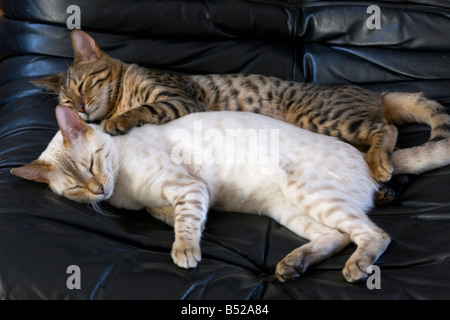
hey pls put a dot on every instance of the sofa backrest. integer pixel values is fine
(389, 46)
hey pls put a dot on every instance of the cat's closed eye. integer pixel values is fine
(72, 191)
(91, 166)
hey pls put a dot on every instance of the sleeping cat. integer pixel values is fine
(317, 186)
(124, 95)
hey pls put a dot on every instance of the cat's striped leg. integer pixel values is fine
(371, 241)
(324, 242)
(343, 212)
(165, 214)
(190, 200)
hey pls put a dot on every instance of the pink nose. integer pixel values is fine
(100, 190)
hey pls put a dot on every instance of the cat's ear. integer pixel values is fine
(37, 170)
(51, 83)
(71, 125)
(84, 47)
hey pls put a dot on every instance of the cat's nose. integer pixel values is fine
(80, 107)
(100, 190)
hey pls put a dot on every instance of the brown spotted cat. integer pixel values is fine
(123, 96)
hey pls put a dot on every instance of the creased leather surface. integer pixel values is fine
(128, 255)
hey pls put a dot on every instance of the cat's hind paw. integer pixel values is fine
(355, 271)
(286, 272)
(186, 256)
(292, 266)
(384, 195)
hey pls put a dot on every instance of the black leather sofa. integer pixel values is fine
(127, 256)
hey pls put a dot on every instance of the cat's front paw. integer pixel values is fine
(185, 255)
(119, 125)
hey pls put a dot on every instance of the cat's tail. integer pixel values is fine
(417, 160)
(401, 107)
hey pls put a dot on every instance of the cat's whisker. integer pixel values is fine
(114, 170)
(49, 93)
(98, 209)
